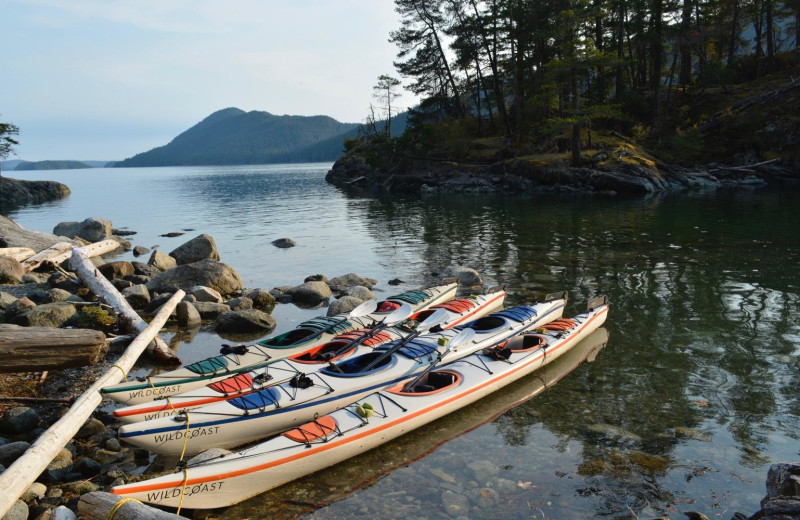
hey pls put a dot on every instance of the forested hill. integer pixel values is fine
(52, 165)
(233, 136)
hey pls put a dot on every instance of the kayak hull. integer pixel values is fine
(235, 477)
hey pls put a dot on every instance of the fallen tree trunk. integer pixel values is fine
(46, 254)
(17, 253)
(34, 349)
(92, 250)
(22, 473)
(97, 505)
(129, 320)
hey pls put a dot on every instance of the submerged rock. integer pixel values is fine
(210, 273)
(310, 293)
(246, 320)
(93, 229)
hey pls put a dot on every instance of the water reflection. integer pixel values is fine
(409, 453)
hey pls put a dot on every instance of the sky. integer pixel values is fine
(107, 79)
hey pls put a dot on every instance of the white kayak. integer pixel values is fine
(365, 423)
(395, 326)
(235, 360)
(279, 407)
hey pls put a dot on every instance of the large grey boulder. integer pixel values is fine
(92, 229)
(261, 298)
(46, 315)
(12, 451)
(15, 235)
(187, 314)
(10, 270)
(210, 310)
(206, 294)
(201, 247)
(467, 276)
(137, 296)
(6, 300)
(344, 304)
(360, 292)
(310, 293)
(245, 320)
(221, 277)
(19, 419)
(162, 261)
(351, 280)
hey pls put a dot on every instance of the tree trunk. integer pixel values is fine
(21, 474)
(45, 255)
(733, 44)
(129, 319)
(26, 349)
(685, 44)
(770, 36)
(97, 505)
(620, 83)
(19, 254)
(656, 61)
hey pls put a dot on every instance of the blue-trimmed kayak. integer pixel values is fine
(365, 423)
(257, 415)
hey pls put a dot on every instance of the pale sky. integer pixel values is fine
(107, 79)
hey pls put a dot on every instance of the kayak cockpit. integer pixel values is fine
(360, 365)
(430, 383)
(324, 353)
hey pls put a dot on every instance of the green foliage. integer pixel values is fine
(688, 145)
(352, 142)
(7, 130)
(92, 317)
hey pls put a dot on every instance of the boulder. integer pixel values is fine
(19, 420)
(19, 306)
(62, 281)
(212, 274)
(310, 293)
(137, 296)
(246, 320)
(15, 235)
(201, 247)
(344, 304)
(140, 250)
(241, 303)
(360, 292)
(467, 277)
(210, 310)
(119, 269)
(6, 300)
(206, 294)
(351, 280)
(46, 315)
(316, 278)
(12, 451)
(187, 314)
(145, 269)
(18, 511)
(162, 261)
(284, 243)
(93, 229)
(261, 298)
(56, 295)
(10, 270)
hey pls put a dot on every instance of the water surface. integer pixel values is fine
(694, 396)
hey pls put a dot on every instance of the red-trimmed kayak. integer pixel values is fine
(363, 424)
(458, 312)
(257, 415)
(235, 361)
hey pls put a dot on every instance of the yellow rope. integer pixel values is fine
(183, 489)
(118, 505)
(124, 374)
(185, 437)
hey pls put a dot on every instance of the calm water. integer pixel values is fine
(684, 409)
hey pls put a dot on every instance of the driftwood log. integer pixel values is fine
(34, 349)
(24, 471)
(129, 320)
(17, 253)
(44, 255)
(97, 505)
(92, 250)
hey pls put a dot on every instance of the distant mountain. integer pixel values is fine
(51, 165)
(233, 136)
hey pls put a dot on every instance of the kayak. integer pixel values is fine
(361, 341)
(235, 360)
(365, 423)
(282, 406)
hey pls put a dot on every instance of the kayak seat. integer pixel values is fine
(233, 385)
(432, 382)
(377, 338)
(561, 324)
(488, 323)
(256, 400)
(318, 428)
(525, 342)
(387, 306)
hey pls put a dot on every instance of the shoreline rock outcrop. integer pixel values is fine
(16, 193)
